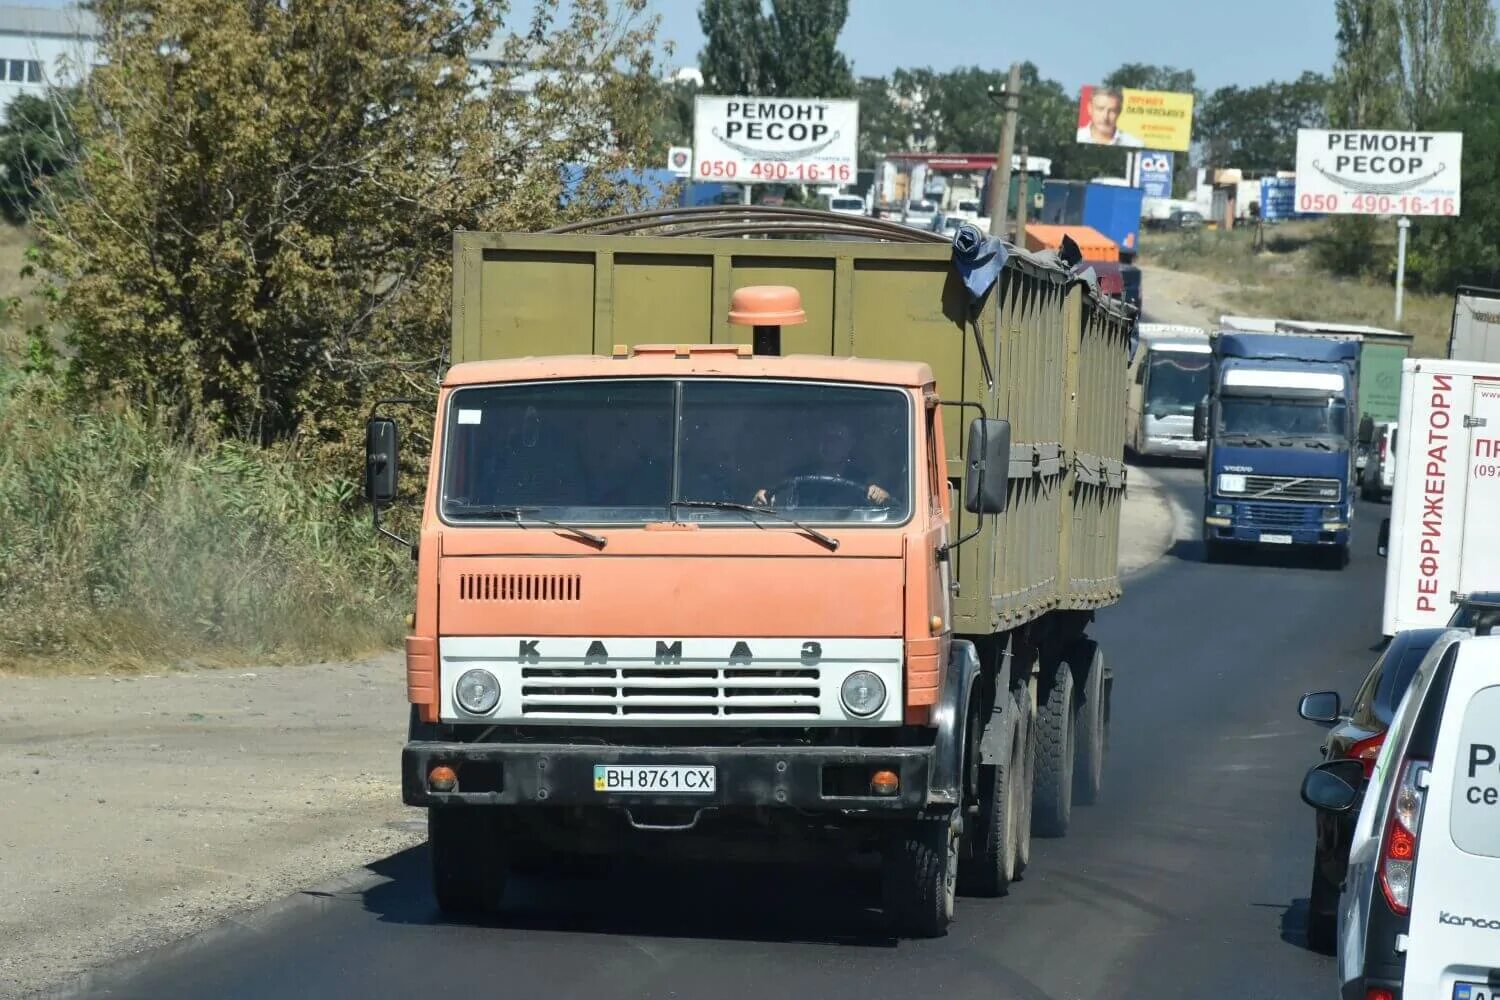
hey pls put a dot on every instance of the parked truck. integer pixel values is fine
(813, 580)
(1169, 377)
(1279, 466)
(1442, 540)
(1475, 334)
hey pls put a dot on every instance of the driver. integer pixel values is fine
(835, 459)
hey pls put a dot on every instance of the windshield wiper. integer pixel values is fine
(520, 515)
(750, 508)
(1316, 443)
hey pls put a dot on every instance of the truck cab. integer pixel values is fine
(1168, 378)
(1279, 436)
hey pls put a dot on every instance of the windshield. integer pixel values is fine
(921, 206)
(617, 451)
(1260, 417)
(847, 203)
(1176, 382)
(968, 206)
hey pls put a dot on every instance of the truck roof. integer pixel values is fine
(702, 360)
(1284, 347)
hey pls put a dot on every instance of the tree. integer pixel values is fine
(37, 143)
(1443, 44)
(790, 50)
(1146, 76)
(261, 231)
(1365, 91)
(1255, 128)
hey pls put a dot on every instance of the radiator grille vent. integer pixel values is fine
(519, 587)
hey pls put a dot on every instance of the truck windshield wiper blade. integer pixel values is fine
(521, 515)
(750, 508)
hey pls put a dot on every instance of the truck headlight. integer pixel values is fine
(1333, 513)
(1223, 510)
(1231, 483)
(477, 691)
(863, 694)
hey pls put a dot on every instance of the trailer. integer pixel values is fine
(763, 545)
(1475, 334)
(1442, 540)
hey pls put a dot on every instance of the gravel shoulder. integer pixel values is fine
(142, 809)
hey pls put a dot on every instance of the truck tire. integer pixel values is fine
(987, 862)
(468, 859)
(919, 878)
(1027, 771)
(1052, 790)
(1087, 661)
(1215, 552)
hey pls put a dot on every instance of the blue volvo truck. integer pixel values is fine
(1279, 428)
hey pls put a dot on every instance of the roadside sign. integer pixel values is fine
(680, 160)
(1371, 172)
(1143, 119)
(1153, 174)
(775, 140)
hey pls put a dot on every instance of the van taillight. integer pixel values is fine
(1403, 827)
(1382, 449)
(1367, 752)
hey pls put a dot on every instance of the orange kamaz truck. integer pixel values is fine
(762, 533)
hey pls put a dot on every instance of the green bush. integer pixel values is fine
(123, 543)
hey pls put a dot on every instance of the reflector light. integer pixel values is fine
(885, 783)
(442, 779)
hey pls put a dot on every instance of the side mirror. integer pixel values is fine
(381, 446)
(1366, 429)
(1333, 786)
(988, 475)
(1383, 542)
(1200, 421)
(1320, 706)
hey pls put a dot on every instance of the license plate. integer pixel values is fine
(1276, 539)
(1472, 991)
(693, 780)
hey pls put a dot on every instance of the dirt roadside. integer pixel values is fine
(1183, 299)
(142, 809)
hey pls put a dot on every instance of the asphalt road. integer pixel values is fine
(1188, 880)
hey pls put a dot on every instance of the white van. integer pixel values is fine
(1420, 911)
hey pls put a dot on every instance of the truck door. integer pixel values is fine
(1479, 565)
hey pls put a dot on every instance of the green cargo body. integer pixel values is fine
(1053, 363)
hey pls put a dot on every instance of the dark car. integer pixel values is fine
(1185, 219)
(1479, 611)
(1355, 735)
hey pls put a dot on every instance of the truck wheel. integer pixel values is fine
(1027, 771)
(1088, 722)
(468, 862)
(987, 863)
(1052, 791)
(1336, 558)
(1215, 552)
(920, 876)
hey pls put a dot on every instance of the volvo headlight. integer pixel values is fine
(863, 694)
(477, 692)
(1231, 483)
(1223, 510)
(1333, 513)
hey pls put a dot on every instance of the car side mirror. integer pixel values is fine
(381, 461)
(1200, 421)
(987, 479)
(1383, 540)
(1366, 429)
(1333, 786)
(1320, 706)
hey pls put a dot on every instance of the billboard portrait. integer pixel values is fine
(1135, 119)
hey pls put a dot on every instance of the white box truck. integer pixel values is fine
(1475, 334)
(1443, 536)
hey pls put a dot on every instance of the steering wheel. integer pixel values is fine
(791, 490)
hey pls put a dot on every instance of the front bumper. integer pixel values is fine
(1173, 447)
(1239, 534)
(538, 774)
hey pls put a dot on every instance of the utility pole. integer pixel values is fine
(1000, 190)
(1402, 225)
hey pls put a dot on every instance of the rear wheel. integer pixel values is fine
(1088, 720)
(991, 842)
(1027, 772)
(919, 878)
(1056, 748)
(468, 859)
(1322, 913)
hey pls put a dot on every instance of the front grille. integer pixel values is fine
(667, 692)
(1292, 488)
(1273, 515)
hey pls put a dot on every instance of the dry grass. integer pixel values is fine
(1286, 281)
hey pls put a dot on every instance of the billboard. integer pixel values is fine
(1153, 174)
(1138, 119)
(775, 140)
(1371, 172)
